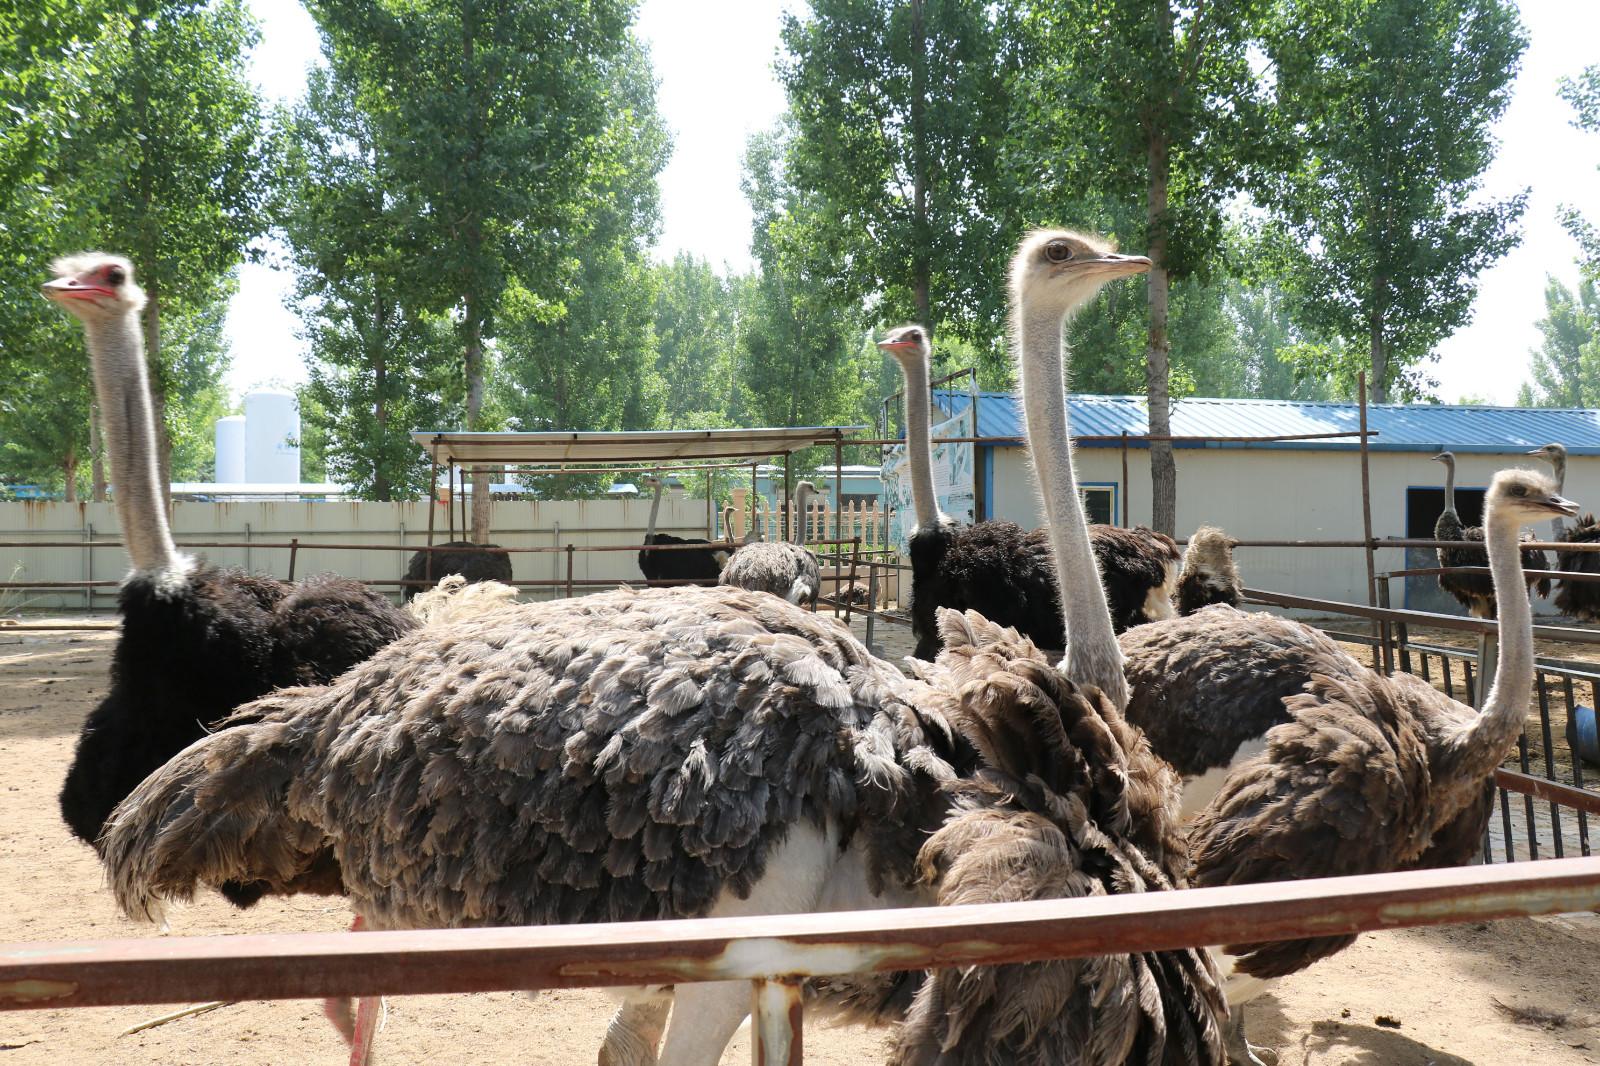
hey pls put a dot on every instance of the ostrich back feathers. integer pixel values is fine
(701, 567)
(193, 651)
(1475, 592)
(779, 567)
(1006, 574)
(1580, 599)
(469, 560)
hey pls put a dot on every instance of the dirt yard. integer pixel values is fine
(1493, 995)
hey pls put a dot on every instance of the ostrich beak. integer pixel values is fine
(1561, 505)
(73, 289)
(1437, 458)
(1118, 265)
(897, 346)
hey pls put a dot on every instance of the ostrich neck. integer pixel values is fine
(1558, 525)
(122, 388)
(1481, 746)
(655, 510)
(802, 508)
(919, 442)
(1450, 486)
(1093, 655)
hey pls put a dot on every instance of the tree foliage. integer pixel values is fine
(489, 117)
(1566, 366)
(893, 158)
(1583, 93)
(1387, 230)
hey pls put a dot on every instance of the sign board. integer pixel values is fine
(953, 479)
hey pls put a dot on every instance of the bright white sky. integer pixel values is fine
(717, 87)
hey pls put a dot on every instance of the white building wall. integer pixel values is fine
(516, 524)
(1262, 494)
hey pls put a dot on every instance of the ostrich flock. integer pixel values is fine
(1087, 712)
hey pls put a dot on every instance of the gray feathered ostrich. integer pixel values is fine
(688, 752)
(698, 567)
(782, 568)
(996, 567)
(1475, 592)
(1326, 767)
(1576, 599)
(197, 640)
(465, 557)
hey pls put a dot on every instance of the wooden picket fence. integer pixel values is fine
(868, 521)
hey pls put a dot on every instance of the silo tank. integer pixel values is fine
(272, 438)
(230, 450)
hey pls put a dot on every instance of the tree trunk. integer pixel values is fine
(1378, 379)
(480, 474)
(381, 489)
(69, 467)
(921, 269)
(1157, 370)
(97, 457)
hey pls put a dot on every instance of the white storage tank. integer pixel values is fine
(230, 450)
(272, 438)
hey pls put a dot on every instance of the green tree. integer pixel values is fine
(489, 117)
(1147, 112)
(166, 154)
(1387, 230)
(1583, 93)
(894, 107)
(696, 322)
(590, 362)
(1566, 366)
(196, 356)
(378, 368)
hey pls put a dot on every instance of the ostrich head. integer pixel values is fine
(1060, 270)
(908, 344)
(1556, 456)
(95, 287)
(1447, 458)
(1525, 496)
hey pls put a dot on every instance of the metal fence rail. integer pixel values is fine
(774, 952)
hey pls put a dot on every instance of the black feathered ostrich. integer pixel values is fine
(467, 558)
(197, 640)
(996, 567)
(1577, 599)
(702, 567)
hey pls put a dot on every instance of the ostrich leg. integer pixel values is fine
(358, 1030)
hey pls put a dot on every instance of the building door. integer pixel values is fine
(1423, 508)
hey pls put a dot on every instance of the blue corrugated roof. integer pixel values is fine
(1400, 427)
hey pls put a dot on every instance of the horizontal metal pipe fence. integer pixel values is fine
(773, 952)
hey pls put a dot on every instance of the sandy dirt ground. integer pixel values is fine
(1493, 995)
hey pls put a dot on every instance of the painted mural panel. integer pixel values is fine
(953, 479)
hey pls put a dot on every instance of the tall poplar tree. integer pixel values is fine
(489, 116)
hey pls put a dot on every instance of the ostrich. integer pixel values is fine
(1209, 575)
(1326, 767)
(469, 559)
(197, 640)
(692, 567)
(781, 568)
(1576, 599)
(714, 751)
(996, 567)
(1475, 592)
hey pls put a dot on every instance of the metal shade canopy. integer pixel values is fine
(566, 447)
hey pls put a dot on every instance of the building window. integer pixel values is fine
(1100, 502)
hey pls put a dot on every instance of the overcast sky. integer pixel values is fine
(713, 104)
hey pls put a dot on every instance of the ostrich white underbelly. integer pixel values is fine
(1198, 791)
(1240, 988)
(1158, 601)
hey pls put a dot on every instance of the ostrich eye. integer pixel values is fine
(1518, 490)
(1058, 251)
(116, 275)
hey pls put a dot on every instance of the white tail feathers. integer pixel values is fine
(454, 599)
